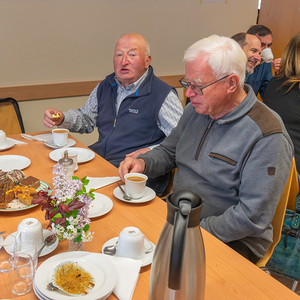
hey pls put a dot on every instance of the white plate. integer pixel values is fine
(47, 249)
(148, 196)
(101, 205)
(21, 206)
(11, 162)
(97, 264)
(9, 144)
(50, 144)
(84, 155)
(148, 256)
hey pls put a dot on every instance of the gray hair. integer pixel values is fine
(225, 56)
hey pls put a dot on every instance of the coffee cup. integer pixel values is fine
(131, 243)
(267, 55)
(73, 155)
(135, 184)
(60, 136)
(3, 139)
(31, 229)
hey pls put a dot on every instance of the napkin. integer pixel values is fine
(99, 182)
(45, 136)
(128, 271)
(17, 142)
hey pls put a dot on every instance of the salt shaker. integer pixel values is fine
(68, 164)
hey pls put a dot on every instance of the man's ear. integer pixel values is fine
(148, 61)
(233, 81)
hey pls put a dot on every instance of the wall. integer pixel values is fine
(73, 40)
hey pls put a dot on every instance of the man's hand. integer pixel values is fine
(130, 165)
(136, 153)
(276, 64)
(53, 117)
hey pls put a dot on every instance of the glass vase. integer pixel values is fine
(76, 246)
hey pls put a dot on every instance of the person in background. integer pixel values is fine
(283, 92)
(224, 149)
(251, 46)
(262, 74)
(133, 109)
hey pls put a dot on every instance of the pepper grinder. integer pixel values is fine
(68, 164)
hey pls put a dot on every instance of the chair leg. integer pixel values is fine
(295, 283)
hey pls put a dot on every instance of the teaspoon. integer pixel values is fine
(49, 240)
(125, 195)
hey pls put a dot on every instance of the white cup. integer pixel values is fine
(3, 139)
(73, 155)
(31, 229)
(60, 136)
(267, 55)
(135, 184)
(131, 243)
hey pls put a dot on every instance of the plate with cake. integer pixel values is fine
(17, 191)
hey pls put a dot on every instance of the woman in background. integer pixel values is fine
(283, 92)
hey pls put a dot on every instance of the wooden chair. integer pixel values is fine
(287, 200)
(169, 187)
(10, 116)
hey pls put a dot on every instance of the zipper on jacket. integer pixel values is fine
(203, 138)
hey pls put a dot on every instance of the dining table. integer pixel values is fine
(228, 274)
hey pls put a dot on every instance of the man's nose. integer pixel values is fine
(190, 93)
(124, 59)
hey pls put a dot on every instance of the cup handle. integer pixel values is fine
(148, 250)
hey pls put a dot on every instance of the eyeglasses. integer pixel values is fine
(195, 88)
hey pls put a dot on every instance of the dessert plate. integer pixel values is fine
(100, 206)
(16, 205)
(9, 144)
(97, 264)
(50, 144)
(11, 162)
(84, 155)
(148, 195)
(148, 256)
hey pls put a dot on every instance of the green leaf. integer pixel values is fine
(75, 213)
(78, 239)
(86, 227)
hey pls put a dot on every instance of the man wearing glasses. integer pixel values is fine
(228, 147)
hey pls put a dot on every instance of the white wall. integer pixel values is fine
(45, 41)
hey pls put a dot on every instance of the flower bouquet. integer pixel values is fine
(67, 209)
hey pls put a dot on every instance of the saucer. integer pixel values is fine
(47, 249)
(50, 144)
(8, 145)
(148, 195)
(148, 257)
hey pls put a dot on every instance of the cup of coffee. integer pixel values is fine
(131, 243)
(31, 229)
(135, 184)
(267, 55)
(60, 136)
(3, 139)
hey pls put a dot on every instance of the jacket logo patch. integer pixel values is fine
(133, 111)
(271, 170)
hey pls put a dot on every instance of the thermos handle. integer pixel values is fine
(178, 242)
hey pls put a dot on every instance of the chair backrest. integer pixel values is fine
(10, 116)
(169, 187)
(288, 196)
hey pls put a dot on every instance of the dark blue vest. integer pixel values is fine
(135, 126)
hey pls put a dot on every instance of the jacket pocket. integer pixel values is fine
(222, 157)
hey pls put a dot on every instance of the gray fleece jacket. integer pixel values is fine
(238, 164)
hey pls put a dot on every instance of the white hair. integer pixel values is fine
(225, 56)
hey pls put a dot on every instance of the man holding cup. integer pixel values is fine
(228, 147)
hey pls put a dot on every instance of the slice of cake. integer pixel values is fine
(6, 184)
(30, 181)
(25, 193)
(2, 174)
(9, 196)
(2, 200)
(15, 175)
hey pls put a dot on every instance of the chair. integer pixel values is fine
(10, 116)
(287, 200)
(169, 187)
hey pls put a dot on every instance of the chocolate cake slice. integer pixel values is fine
(30, 181)
(2, 174)
(6, 184)
(2, 200)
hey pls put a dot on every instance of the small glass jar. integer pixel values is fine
(68, 164)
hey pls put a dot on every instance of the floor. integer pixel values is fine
(288, 283)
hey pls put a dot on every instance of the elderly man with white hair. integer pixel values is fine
(228, 147)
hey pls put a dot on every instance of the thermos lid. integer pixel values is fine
(195, 201)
